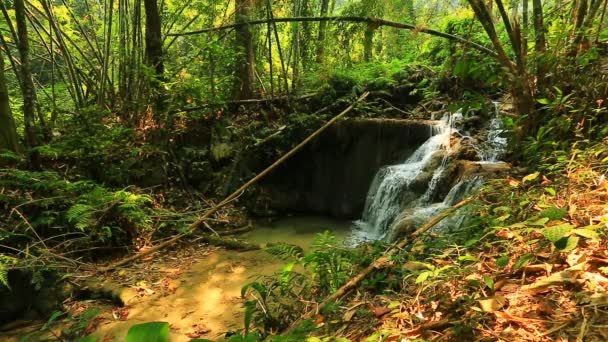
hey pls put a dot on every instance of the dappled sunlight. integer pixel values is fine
(207, 300)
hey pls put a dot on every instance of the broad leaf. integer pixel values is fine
(556, 233)
(554, 213)
(149, 332)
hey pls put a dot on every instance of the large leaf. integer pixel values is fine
(557, 233)
(531, 177)
(523, 261)
(149, 332)
(587, 233)
(567, 244)
(554, 213)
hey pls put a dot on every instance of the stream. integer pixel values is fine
(203, 298)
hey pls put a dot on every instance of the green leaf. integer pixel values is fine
(556, 233)
(523, 261)
(554, 213)
(467, 257)
(567, 244)
(422, 277)
(543, 101)
(489, 281)
(149, 332)
(502, 261)
(89, 338)
(551, 191)
(587, 233)
(538, 223)
(531, 177)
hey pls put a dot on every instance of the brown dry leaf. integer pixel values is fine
(492, 304)
(348, 315)
(508, 317)
(505, 234)
(120, 314)
(381, 311)
(512, 183)
(568, 275)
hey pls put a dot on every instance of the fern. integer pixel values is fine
(285, 251)
(6, 262)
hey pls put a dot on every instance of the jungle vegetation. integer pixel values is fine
(122, 123)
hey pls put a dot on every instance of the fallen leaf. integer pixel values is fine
(493, 303)
(380, 311)
(568, 275)
(348, 315)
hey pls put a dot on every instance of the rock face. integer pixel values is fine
(332, 175)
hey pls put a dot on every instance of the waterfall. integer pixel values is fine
(388, 209)
(385, 196)
(496, 145)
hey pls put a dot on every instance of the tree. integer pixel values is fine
(154, 50)
(245, 78)
(154, 42)
(322, 31)
(9, 139)
(27, 84)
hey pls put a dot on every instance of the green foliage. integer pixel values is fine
(151, 331)
(47, 200)
(6, 262)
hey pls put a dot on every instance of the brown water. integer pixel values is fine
(207, 295)
(299, 231)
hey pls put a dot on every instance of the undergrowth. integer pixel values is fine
(530, 263)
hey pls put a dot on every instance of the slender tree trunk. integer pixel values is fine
(27, 85)
(540, 43)
(526, 28)
(368, 43)
(322, 31)
(411, 11)
(154, 52)
(245, 83)
(9, 139)
(154, 42)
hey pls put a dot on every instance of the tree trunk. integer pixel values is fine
(322, 31)
(8, 133)
(27, 85)
(540, 43)
(368, 43)
(410, 11)
(154, 52)
(245, 83)
(154, 42)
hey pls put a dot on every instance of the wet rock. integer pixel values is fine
(466, 150)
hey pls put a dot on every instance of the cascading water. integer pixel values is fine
(384, 199)
(387, 212)
(496, 145)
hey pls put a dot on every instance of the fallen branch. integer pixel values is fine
(235, 194)
(371, 21)
(383, 261)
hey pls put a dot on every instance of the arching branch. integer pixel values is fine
(376, 21)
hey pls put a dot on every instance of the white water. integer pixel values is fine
(385, 203)
(384, 199)
(496, 144)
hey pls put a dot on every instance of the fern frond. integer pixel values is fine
(285, 251)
